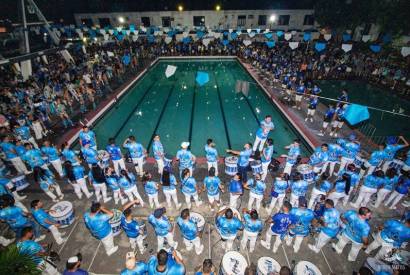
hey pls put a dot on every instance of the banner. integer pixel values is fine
(293, 45)
(365, 38)
(247, 42)
(405, 51)
(375, 48)
(288, 36)
(327, 36)
(320, 46)
(347, 47)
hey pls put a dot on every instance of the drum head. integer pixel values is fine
(231, 159)
(198, 218)
(303, 168)
(234, 263)
(117, 216)
(19, 178)
(267, 265)
(61, 209)
(256, 163)
(307, 268)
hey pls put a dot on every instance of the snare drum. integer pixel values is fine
(20, 182)
(104, 158)
(233, 263)
(168, 160)
(396, 164)
(231, 166)
(307, 172)
(306, 268)
(377, 265)
(358, 162)
(115, 222)
(63, 213)
(267, 265)
(199, 219)
(256, 167)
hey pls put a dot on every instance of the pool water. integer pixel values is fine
(178, 109)
(362, 93)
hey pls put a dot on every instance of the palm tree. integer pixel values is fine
(12, 262)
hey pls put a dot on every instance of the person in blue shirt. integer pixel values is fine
(392, 234)
(356, 231)
(158, 151)
(97, 179)
(341, 188)
(163, 228)
(351, 149)
(390, 182)
(321, 187)
(24, 134)
(97, 221)
(316, 90)
(300, 91)
(312, 105)
(252, 227)
(257, 189)
(73, 264)
(132, 267)
(262, 133)
(115, 156)
(301, 227)
(375, 160)
(151, 189)
(76, 177)
(319, 158)
(228, 225)
(243, 162)
(166, 264)
(169, 183)
(391, 149)
(235, 190)
(189, 188)
(10, 151)
(69, 155)
(278, 192)
(112, 180)
(128, 184)
(292, 156)
(33, 157)
(266, 157)
(211, 155)
(47, 184)
(338, 119)
(298, 188)
(279, 227)
(189, 231)
(133, 228)
(186, 158)
(43, 218)
(53, 156)
(371, 184)
(137, 153)
(86, 136)
(89, 154)
(207, 268)
(327, 118)
(401, 190)
(213, 186)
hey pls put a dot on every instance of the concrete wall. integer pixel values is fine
(213, 19)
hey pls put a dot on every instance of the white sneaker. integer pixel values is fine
(175, 245)
(179, 205)
(335, 248)
(265, 244)
(62, 196)
(331, 134)
(63, 240)
(200, 250)
(313, 248)
(306, 119)
(112, 251)
(311, 120)
(320, 134)
(107, 199)
(55, 200)
(335, 134)
(40, 238)
(142, 251)
(90, 195)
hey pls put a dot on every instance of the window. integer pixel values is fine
(166, 21)
(199, 21)
(283, 20)
(250, 16)
(104, 22)
(146, 21)
(241, 20)
(309, 20)
(87, 22)
(262, 20)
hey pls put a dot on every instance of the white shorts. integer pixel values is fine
(325, 124)
(337, 124)
(311, 112)
(213, 198)
(298, 98)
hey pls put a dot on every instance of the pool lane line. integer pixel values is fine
(161, 114)
(222, 111)
(135, 108)
(191, 123)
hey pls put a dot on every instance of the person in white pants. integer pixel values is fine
(190, 232)
(97, 221)
(392, 234)
(341, 189)
(112, 181)
(158, 151)
(257, 189)
(96, 178)
(330, 224)
(279, 227)
(9, 149)
(151, 189)
(137, 154)
(228, 226)
(370, 186)
(374, 161)
(211, 155)
(322, 187)
(235, 190)
(163, 228)
(45, 220)
(127, 182)
(169, 183)
(356, 231)
(298, 188)
(189, 188)
(132, 228)
(278, 192)
(401, 190)
(213, 187)
(115, 156)
(75, 175)
(266, 157)
(252, 227)
(262, 133)
(391, 149)
(390, 181)
(53, 156)
(47, 183)
(292, 156)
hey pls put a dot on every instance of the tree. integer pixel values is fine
(13, 262)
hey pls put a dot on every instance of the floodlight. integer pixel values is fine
(272, 18)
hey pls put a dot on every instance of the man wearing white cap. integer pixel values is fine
(132, 267)
(73, 266)
(185, 157)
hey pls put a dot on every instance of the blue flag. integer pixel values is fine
(375, 48)
(320, 46)
(202, 78)
(356, 113)
(270, 44)
(307, 36)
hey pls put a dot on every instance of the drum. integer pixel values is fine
(115, 222)
(307, 172)
(104, 158)
(63, 213)
(358, 162)
(231, 166)
(233, 263)
(3, 169)
(168, 160)
(267, 266)
(199, 219)
(377, 265)
(306, 268)
(396, 164)
(20, 182)
(256, 167)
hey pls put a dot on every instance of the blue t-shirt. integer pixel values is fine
(403, 186)
(374, 182)
(211, 154)
(303, 218)
(114, 151)
(161, 225)
(126, 184)
(188, 228)
(391, 150)
(172, 183)
(87, 138)
(281, 223)
(23, 132)
(331, 218)
(135, 149)
(151, 188)
(79, 271)
(14, 217)
(293, 154)
(235, 186)
(244, 157)
(318, 158)
(189, 186)
(113, 182)
(252, 225)
(41, 216)
(377, 157)
(395, 233)
(264, 129)
(280, 186)
(78, 172)
(9, 149)
(50, 152)
(325, 186)
(299, 188)
(390, 183)
(140, 268)
(340, 186)
(212, 185)
(335, 151)
(98, 224)
(90, 155)
(351, 149)
(33, 157)
(266, 156)
(31, 248)
(131, 228)
(257, 186)
(228, 227)
(69, 155)
(356, 228)
(185, 158)
(173, 268)
(157, 149)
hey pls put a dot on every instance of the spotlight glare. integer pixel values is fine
(272, 18)
(121, 19)
(180, 8)
(218, 7)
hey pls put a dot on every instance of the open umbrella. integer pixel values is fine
(170, 71)
(202, 78)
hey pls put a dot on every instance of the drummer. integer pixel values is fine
(186, 158)
(211, 155)
(53, 156)
(322, 187)
(166, 263)
(45, 220)
(87, 136)
(375, 160)
(392, 147)
(252, 227)
(9, 149)
(89, 154)
(235, 190)
(257, 189)
(351, 149)
(137, 153)
(243, 162)
(212, 185)
(266, 157)
(189, 231)
(319, 158)
(265, 127)
(292, 156)
(228, 225)
(298, 188)
(115, 156)
(132, 227)
(97, 221)
(163, 228)
(158, 151)
(132, 266)
(278, 192)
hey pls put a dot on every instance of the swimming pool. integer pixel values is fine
(178, 109)
(386, 124)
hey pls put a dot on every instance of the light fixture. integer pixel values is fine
(121, 19)
(84, 39)
(218, 8)
(180, 8)
(272, 18)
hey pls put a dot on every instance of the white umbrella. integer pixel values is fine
(170, 71)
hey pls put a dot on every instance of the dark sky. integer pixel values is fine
(56, 9)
